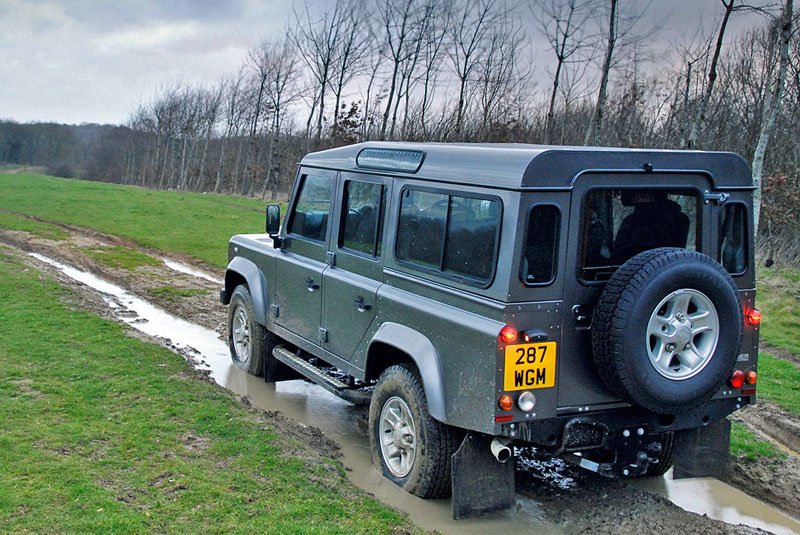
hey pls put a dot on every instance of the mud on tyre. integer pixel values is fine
(408, 446)
(667, 329)
(250, 343)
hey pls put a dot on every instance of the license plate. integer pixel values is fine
(530, 366)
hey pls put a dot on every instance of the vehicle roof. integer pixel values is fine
(517, 165)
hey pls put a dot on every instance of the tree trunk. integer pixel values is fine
(700, 119)
(768, 124)
(593, 133)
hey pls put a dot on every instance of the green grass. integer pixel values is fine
(121, 257)
(779, 382)
(193, 223)
(779, 301)
(104, 433)
(37, 228)
(746, 444)
(172, 293)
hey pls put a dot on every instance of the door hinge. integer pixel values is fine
(276, 310)
(330, 258)
(716, 198)
(323, 335)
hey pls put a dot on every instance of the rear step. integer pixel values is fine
(318, 376)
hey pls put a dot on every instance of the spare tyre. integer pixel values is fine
(667, 330)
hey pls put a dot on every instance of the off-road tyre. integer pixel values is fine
(435, 442)
(261, 342)
(626, 305)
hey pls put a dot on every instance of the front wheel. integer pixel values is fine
(411, 448)
(249, 341)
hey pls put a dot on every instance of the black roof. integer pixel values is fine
(517, 165)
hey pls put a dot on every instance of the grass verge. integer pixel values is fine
(197, 224)
(121, 257)
(746, 444)
(779, 301)
(105, 433)
(37, 228)
(779, 382)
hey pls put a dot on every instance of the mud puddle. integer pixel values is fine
(346, 424)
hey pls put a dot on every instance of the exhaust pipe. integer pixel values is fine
(500, 449)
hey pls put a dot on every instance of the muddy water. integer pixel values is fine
(720, 501)
(346, 424)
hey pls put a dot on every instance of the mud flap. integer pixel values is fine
(702, 452)
(480, 483)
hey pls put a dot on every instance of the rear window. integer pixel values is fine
(733, 252)
(450, 235)
(618, 224)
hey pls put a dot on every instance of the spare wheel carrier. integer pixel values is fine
(667, 330)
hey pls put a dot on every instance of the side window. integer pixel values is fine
(310, 217)
(362, 218)
(449, 234)
(420, 231)
(619, 224)
(541, 245)
(733, 239)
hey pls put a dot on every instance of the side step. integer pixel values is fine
(316, 375)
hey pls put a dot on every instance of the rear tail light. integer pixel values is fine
(753, 317)
(750, 377)
(505, 403)
(508, 334)
(737, 379)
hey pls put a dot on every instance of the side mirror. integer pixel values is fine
(273, 222)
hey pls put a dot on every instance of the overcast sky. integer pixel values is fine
(76, 61)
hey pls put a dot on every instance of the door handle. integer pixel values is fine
(312, 286)
(361, 305)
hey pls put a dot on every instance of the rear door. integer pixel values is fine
(613, 218)
(303, 258)
(351, 283)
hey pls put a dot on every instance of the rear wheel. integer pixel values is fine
(411, 448)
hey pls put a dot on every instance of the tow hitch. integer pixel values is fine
(629, 455)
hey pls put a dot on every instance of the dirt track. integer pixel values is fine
(591, 504)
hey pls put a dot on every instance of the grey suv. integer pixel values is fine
(597, 304)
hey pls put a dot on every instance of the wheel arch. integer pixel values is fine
(243, 271)
(394, 343)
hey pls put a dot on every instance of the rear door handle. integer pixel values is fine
(361, 305)
(312, 286)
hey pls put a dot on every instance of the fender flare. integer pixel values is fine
(256, 281)
(424, 355)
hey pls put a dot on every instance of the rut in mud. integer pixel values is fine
(589, 504)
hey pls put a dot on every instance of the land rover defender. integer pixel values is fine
(594, 303)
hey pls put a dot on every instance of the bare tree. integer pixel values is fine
(471, 24)
(782, 33)
(318, 41)
(565, 25)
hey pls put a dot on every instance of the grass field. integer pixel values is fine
(193, 223)
(104, 433)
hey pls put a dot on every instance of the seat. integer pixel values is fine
(656, 221)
